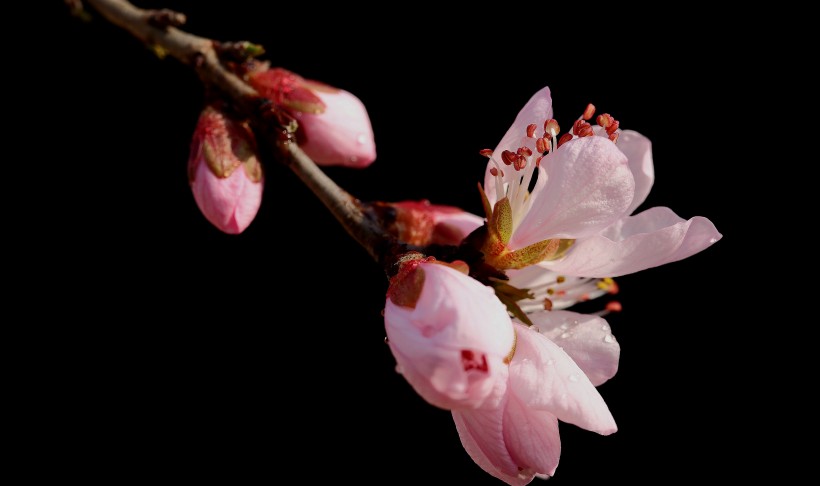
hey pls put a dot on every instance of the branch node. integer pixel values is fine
(165, 18)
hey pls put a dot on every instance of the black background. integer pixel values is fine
(261, 355)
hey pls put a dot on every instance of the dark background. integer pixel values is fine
(204, 354)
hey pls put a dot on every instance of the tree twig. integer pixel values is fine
(156, 29)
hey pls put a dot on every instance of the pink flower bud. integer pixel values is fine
(334, 128)
(224, 171)
(450, 335)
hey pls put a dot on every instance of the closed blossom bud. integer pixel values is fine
(334, 128)
(224, 171)
(451, 337)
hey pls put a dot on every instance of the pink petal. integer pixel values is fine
(451, 347)
(537, 110)
(654, 237)
(585, 338)
(231, 203)
(588, 187)
(638, 150)
(341, 135)
(545, 378)
(458, 224)
(531, 437)
(482, 435)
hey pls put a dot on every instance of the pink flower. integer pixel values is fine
(514, 434)
(224, 172)
(449, 334)
(334, 128)
(585, 191)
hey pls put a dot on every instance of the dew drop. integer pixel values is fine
(362, 139)
(605, 328)
(386, 340)
(565, 335)
(609, 339)
(551, 362)
(565, 326)
(573, 378)
(399, 369)
(713, 240)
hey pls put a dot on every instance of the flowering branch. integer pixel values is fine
(158, 30)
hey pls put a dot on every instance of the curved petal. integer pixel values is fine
(638, 150)
(588, 187)
(482, 435)
(537, 110)
(452, 227)
(229, 203)
(544, 377)
(585, 338)
(532, 437)
(341, 135)
(451, 347)
(654, 237)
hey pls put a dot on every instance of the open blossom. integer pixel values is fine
(436, 320)
(334, 128)
(586, 189)
(506, 385)
(224, 171)
(557, 364)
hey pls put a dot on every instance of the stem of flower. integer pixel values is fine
(155, 28)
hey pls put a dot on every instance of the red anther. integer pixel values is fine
(604, 120)
(614, 306)
(508, 157)
(547, 304)
(542, 145)
(612, 127)
(538, 161)
(564, 139)
(520, 162)
(614, 137)
(589, 111)
(576, 127)
(486, 153)
(531, 130)
(524, 151)
(494, 171)
(551, 127)
(586, 131)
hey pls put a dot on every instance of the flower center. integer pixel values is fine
(522, 163)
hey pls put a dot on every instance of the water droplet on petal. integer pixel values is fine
(609, 339)
(399, 369)
(712, 240)
(565, 335)
(525, 361)
(386, 340)
(362, 139)
(565, 326)
(573, 378)
(551, 362)
(605, 328)
(353, 159)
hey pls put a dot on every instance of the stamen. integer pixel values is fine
(531, 130)
(614, 306)
(538, 161)
(551, 127)
(542, 145)
(494, 171)
(614, 137)
(589, 111)
(547, 304)
(561, 279)
(604, 120)
(564, 139)
(486, 153)
(524, 151)
(612, 127)
(508, 157)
